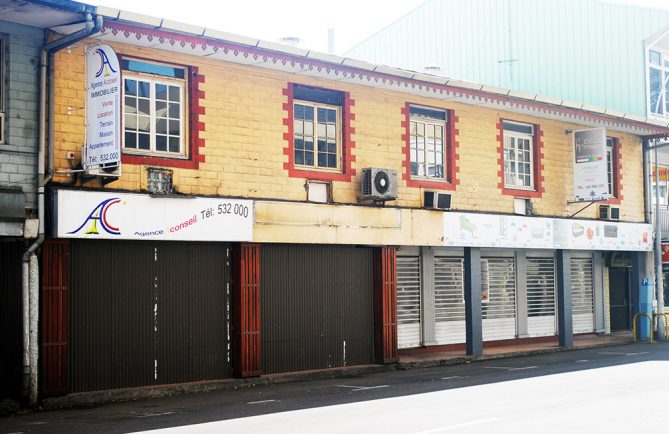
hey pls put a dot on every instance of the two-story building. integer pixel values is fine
(277, 210)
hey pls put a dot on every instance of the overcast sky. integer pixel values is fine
(353, 20)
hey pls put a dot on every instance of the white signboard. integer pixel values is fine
(590, 167)
(489, 230)
(103, 107)
(108, 215)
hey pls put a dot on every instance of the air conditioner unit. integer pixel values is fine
(378, 184)
(2, 127)
(436, 200)
(607, 212)
(110, 170)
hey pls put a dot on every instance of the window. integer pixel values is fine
(427, 143)
(658, 83)
(518, 155)
(610, 169)
(154, 100)
(317, 135)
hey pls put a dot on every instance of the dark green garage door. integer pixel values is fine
(316, 307)
(145, 313)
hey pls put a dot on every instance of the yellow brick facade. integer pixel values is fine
(244, 142)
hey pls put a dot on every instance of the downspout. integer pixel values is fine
(30, 267)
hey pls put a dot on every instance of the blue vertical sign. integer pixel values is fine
(103, 105)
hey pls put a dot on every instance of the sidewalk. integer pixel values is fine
(424, 359)
(419, 359)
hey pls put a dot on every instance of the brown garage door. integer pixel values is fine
(316, 307)
(145, 313)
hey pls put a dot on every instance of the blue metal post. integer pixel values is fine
(474, 323)
(564, 298)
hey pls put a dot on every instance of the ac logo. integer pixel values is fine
(99, 214)
(104, 63)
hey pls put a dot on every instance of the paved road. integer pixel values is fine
(614, 390)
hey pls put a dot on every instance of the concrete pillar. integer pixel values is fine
(565, 328)
(474, 322)
(521, 294)
(428, 319)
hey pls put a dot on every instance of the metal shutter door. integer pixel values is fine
(541, 314)
(498, 278)
(449, 300)
(582, 295)
(408, 301)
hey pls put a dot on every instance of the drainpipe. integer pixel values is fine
(30, 267)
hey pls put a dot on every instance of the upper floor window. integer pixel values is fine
(658, 83)
(518, 155)
(427, 135)
(154, 107)
(317, 128)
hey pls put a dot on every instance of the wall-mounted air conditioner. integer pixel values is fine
(607, 212)
(378, 185)
(436, 200)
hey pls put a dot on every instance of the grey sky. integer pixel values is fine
(353, 20)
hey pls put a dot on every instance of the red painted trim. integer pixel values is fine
(538, 164)
(347, 142)
(198, 42)
(451, 152)
(195, 128)
(617, 173)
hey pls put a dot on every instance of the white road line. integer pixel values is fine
(636, 354)
(581, 361)
(510, 368)
(523, 368)
(454, 377)
(460, 425)
(611, 353)
(155, 414)
(359, 388)
(261, 402)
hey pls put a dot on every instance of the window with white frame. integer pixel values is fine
(610, 169)
(518, 155)
(317, 128)
(427, 134)
(658, 83)
(154, 108)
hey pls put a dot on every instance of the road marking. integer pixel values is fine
(261, 402)
(581, 361)
(155, 414)
(454, 377)
(460, 425)
(359, 388)
(614, 353)
(510, 368)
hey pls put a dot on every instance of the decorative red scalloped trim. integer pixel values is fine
(195, 127)
(197, 42)
(452, 155)
(538, 164)
(347, 146)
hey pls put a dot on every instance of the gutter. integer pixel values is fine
(30, 267)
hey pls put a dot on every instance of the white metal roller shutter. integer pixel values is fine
(541, 303)
(582, 295)
(408, 301)
(449, 300)
(498, 279)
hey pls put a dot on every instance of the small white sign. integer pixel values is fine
(103, 105)
(107, 215)
(590, 166)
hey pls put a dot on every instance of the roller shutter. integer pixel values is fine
(541, 313)
(582, 295)
(408, 301)
(498, 282)
(449, 300)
